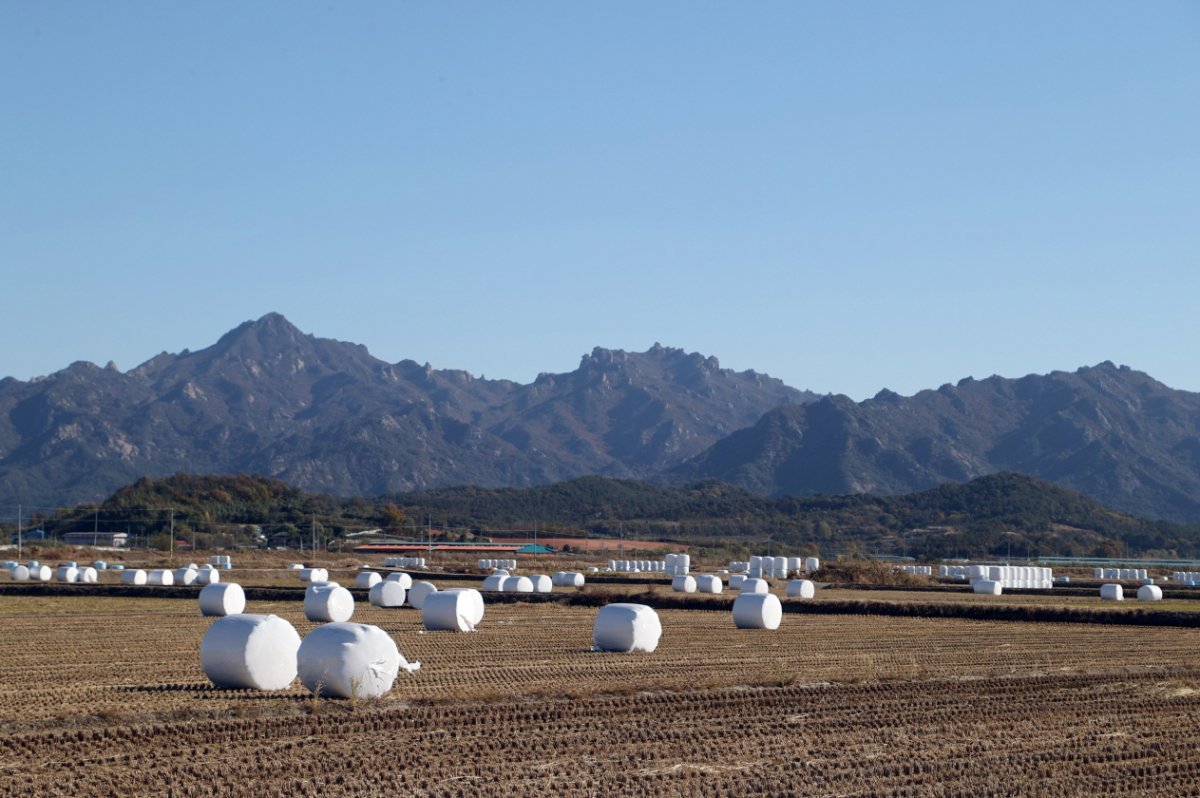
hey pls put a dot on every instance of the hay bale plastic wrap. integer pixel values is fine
(219, 599)
(208, 576)
(541, 583)
(350, 660)
(1149, 593)
(517, 584)
(757, 586)
(757, 611)
(455, 610)
(326, 601)
(626, 628)
(40, 573)
(683, 583)
(568, 579)
(987, 587)
(418, 592)
(812, 564)
(1112, 593)
(801, 589)
(313, 575)
(186, 575)
(88, 575)
(494, 583)
(256, 652)
(367, 580)
(708, 583)
(160, 576)
(66, 573)
(19, 573)
(386, 593)
(134, 577)
(405, 580)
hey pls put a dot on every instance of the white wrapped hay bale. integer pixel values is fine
(757, 611)
(19, 573)
(405, 580)
(349, 660)
(541, 583)
(186, 575)
(219, 599)
(367, 580)
(328, 602)
(1112, 592)
(475, 603)
(736, 580)
(387, 593)
(160, 576)
(296, 566)
(40, 573)
(812, 564)
(568, 579)
(755, 586)
(1149, 593)
(134, 577)
(708, 583)
(517, 584)
(88, 575)
(801, 589)
(255, 652)
(208, 576)
(684, 583)
(66, 573)
(313, 575)
(418, 592)
(626, 627)
(494, 583)
(987, 587)
(451, 611)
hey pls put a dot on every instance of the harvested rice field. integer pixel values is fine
(105, 696)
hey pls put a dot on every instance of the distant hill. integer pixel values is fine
(1111, 433)
(1001, 515)
(327, 416)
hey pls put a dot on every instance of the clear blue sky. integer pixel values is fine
(845, 195)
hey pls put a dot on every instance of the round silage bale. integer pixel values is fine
(708, 583)
(208, 576)
(367, 580)
(314, 575)
(475, 602)
(1112, 592)
(625, 628)
(349, 660)
(66, 573)
(250, 652)
(222, 598)
(494, 583)
(160, 576)
(736, 580)
(325, 601)
(387, 593)
(450, 611)
(135, 576)
(517, 584)
(40, 573)
(801, 589)
(755, 586)
(19, 573)
(683, 583)
(1149, 593)
(404, 579)
(88, 575)
(418, 592)
(987, 587)
(186, 575)
(541, 583)
(757, 611)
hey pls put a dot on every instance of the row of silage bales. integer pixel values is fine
(328, 602)
(218, 599)
(1123, 574)
(568, 579)
(677, 564)
(19, 573)
(959, 572)
(1186, 578)
(917, 570)
(493, 564)
(1021, 577)
(709, 583)
(801, 589)
(410, 562)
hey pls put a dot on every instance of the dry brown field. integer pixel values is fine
(105, 696)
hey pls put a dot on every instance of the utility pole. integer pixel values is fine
(20, 545)
(95, 527)
(173, 534)
(314, 534)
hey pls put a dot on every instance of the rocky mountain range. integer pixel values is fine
(325, 415)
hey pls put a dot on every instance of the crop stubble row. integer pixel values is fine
(106, 696)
